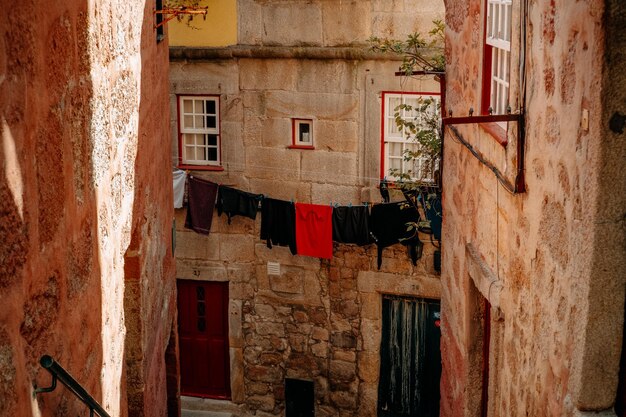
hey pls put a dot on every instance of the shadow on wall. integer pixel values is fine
(150, 292)
(50, 278)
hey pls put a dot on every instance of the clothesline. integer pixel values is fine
(308, 229)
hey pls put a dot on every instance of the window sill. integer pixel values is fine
(200, 167)
(497, 132)
(300, 147)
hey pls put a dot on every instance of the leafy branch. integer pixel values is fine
(418, 52)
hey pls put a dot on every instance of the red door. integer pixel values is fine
(203, 335)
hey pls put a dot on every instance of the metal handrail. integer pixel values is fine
(59, 373)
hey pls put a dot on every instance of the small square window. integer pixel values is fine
(302, 135)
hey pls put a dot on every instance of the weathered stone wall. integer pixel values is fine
(332, 23)
(317, 320)
(551, 261)
(82, 174)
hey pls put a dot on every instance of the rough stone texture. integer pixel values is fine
(557, 252)
(83, 94)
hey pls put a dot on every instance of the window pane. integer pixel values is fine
(393, 127)
(199, 106)
(199, 122)
(188, 122)
(200, 140)
(212, 154)
(188, 139)
(201, 154)
(211, 140)
(211, 121)
(393, 103)
(190, 155)
(395, 149)
(187, 106)
(395, 163)
(210, 107)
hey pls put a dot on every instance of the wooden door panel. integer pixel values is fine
(203, 333)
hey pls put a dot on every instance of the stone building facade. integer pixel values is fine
(543, 243)
(314, 320)
(86, 263)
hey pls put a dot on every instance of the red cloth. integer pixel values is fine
(314, 230)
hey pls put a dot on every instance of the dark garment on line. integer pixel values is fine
(389, 226)
(201, 204)
(278, 223)
(235, 202)
(351, 225)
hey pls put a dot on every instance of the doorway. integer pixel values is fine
(203, 338)
(410, 365)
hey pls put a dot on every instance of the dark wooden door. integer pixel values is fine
(203, 336)
(410, 363)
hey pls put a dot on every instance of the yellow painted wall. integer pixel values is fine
(219, 28)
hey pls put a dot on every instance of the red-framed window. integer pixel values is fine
(302, 134)
(199, 136)
(394, 143)
(496, 56)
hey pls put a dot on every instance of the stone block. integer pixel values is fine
(235, 335)
(261, 402)
(369, 366)
(326, 193)
(268, 74)
(257, 388)
(290, 282)
(300, 316)
(264, 374)
(303, 362)
(371, 306)
(218, 77)
(265, 311)
(326, 76)
(268, 328)
(270, 359)
(319, 333)
(320, 350)
(272, 163)
(201, 270)
(236, 248)
(343, 399)
(346, 23)
(343, 340)
(319, 106)
(192, 245)
(344, 355)
(329, 167)
(292, 24)
(337, 136)
(283, 188)
(298, 343)
(342, 371)
(368, 399)
(276, 132)
(236, 371)
(370, 332)
(250, 25)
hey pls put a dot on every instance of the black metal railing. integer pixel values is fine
(60, 374)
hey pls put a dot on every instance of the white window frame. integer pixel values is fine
(498, 36)
(298, 134)
(198, 137)
(393, 136)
